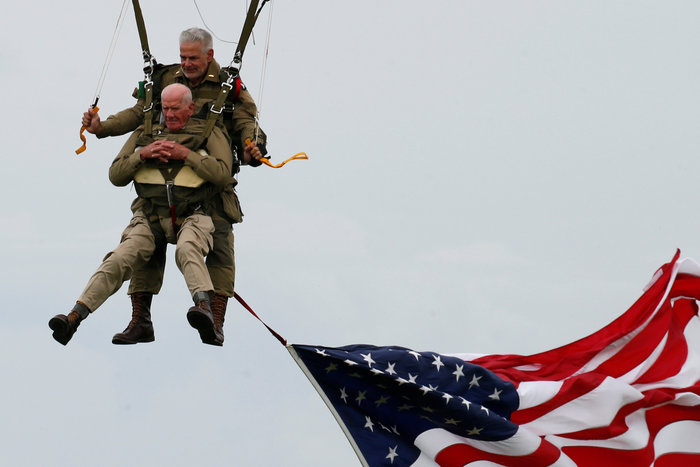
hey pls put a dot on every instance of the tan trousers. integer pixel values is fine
(139, 242)
(220, 262)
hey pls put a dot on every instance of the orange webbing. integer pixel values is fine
(82, 137)
(301, 155)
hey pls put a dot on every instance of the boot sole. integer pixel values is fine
(60, 330)
(120, 341)
(204, 325)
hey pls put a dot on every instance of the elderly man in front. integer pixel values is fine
(176, 175)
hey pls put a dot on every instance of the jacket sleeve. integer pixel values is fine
(216, 166)
(127, 162)
(123, 122)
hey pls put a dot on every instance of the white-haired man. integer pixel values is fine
(178, 177)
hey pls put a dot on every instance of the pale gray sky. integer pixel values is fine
(488, 177)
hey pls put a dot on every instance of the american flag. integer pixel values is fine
(628, 394)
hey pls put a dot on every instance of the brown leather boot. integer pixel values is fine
(140, 328)
(65, 326)
(200, 318)
(218, 310)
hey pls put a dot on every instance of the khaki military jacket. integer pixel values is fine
(203, 94)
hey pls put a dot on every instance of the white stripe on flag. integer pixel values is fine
(577, 415)
(521, 443)
(680, 436)
(534, 393)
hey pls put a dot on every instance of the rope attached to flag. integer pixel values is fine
(282, 340)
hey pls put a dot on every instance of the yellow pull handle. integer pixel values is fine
(301, 155)
(82, 137)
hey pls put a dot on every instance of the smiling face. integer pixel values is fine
(177, 105)
(195, 61)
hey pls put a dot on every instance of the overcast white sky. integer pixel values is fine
(489, 177)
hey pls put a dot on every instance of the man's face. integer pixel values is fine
(175, 112)
(193, 61)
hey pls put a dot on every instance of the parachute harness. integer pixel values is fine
(232, 82)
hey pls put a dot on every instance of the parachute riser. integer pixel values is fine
(149, 63)
(250, 20)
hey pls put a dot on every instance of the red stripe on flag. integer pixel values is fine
(678, 460)
(676, 350)
(605, 457)
(459, 455)
(571, 389)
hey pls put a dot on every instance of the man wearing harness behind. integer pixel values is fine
(177, 176)
(202, 74)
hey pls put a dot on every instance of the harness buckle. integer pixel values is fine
(171, 202)
(149, 63)
(148, 86)
(169, 192)
(213, 108)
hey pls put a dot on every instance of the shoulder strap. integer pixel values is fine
(141, 25)
(149, 63)
(250, 20)
(232, 83)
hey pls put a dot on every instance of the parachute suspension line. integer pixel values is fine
(110, 53)
(300, 155)
(263, 73)
(103, 74)
(207, 26)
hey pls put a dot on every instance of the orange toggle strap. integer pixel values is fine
(301, 155)
(82, 137)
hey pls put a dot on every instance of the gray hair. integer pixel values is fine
(186, 98)
(197, 35)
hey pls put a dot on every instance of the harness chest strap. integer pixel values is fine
(184, 177)
(180, 175)
(148, 108)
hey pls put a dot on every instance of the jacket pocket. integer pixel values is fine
(232, 207)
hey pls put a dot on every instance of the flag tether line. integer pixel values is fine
(282, 340)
